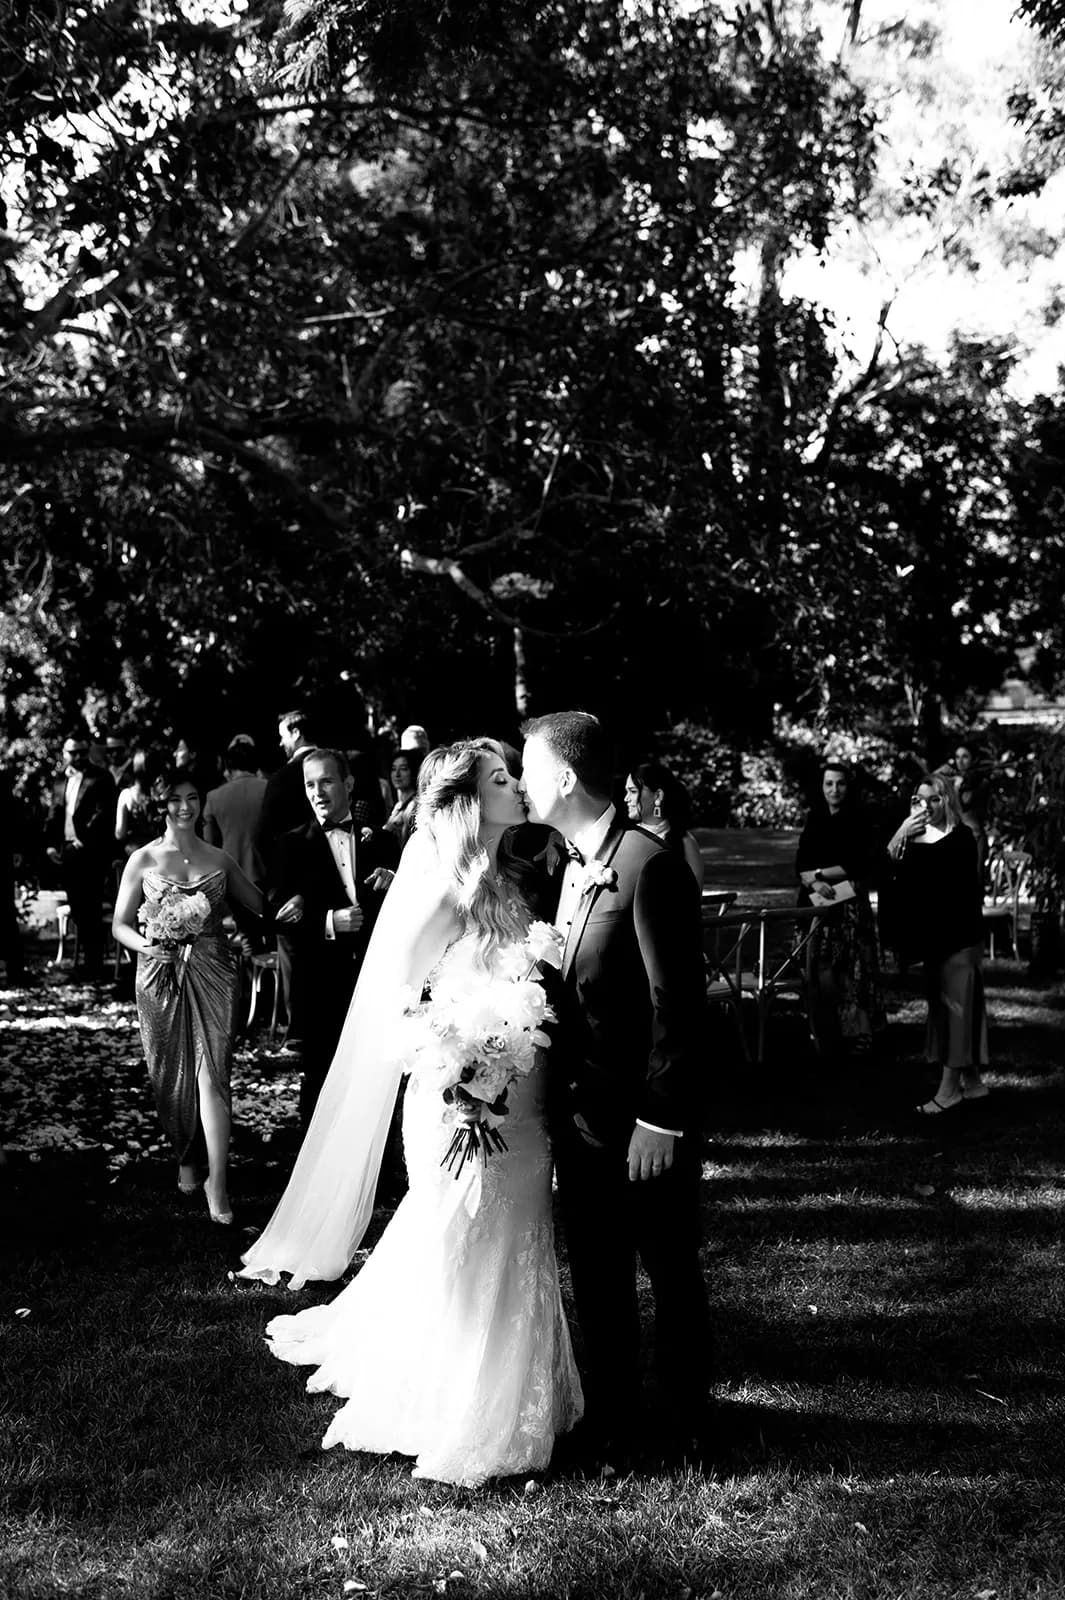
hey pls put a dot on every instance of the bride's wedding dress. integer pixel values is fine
(451, 1344)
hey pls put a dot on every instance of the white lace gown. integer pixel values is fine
(451, 1345)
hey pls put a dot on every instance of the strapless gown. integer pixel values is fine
(188, 1014)
(451, 1344)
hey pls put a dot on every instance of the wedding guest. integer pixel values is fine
(116, 755)
(284, 807)
(231, 811)
(368, 805)
(406, 764)
(837, 852)
(415, 738)
(326, 884)
(136, 818)
(285, 801)
(11, 854)
(939, 922)
(659, 803)
(971, 779)
(80, 830)
(187, 987)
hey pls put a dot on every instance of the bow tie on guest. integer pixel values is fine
(347, 826)
(572, 851)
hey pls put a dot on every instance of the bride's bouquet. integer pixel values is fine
(175, 919)
(477, 1035)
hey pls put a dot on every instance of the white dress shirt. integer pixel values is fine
(70, 800)
(342, 847)
(588, 841)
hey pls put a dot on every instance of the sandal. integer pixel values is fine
(935, 1108)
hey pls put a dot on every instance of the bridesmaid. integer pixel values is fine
(187, 993)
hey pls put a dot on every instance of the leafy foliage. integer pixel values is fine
(455, 374)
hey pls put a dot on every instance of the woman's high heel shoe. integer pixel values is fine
(223, 1218)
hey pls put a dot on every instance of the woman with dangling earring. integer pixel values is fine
(659, 803)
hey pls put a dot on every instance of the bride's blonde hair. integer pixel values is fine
(448, 812)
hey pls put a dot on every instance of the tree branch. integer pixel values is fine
(847, 395)
(445, 567)
(163, 432)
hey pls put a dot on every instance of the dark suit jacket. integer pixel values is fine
(94, 812)
(633, 992)
(284, 807)
(303, 864)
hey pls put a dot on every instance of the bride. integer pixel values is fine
(451, 1344)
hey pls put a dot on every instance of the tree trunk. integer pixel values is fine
(521, 686)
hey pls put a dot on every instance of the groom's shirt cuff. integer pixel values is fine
(676, 1132)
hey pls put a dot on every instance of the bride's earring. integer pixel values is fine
(658, 808)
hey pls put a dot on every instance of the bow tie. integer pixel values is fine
(347, 826)
(572, 851)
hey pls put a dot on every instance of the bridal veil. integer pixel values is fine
(327, 1205)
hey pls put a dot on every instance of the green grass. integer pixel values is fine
(890, 1307)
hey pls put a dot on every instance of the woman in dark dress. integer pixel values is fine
(187, 981)
(972, 783)
(939, 922)
(659, 803)
(837, 846)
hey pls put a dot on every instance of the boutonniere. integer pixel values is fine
(365, 835)
(597, 875)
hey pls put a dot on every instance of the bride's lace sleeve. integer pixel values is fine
(328, 1203)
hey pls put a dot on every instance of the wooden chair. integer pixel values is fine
(717, 901)
(259, 966)
(65, 929)
(784, 968)
(725, 935)
(1007, 871)
(764, 957)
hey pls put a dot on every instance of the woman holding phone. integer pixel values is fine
(940, 923)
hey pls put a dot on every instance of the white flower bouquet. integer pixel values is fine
(174, 920)
(476, 1036)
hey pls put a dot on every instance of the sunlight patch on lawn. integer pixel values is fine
(1012, 1200)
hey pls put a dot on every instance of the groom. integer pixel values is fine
(629, 1058)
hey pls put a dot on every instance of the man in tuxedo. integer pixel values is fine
(326, 882)
(626, 1067)
(284, 806)
(120, 767)
(81, 837)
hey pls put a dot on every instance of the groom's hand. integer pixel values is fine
(650, 1153)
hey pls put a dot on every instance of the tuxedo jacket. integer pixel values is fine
(304, 864)
(632, 1039)
(284, 807)
(94, 812)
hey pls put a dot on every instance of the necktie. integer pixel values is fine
(347, 826)
(573, 853)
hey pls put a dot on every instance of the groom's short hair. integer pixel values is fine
(580, 742)
(325, 753)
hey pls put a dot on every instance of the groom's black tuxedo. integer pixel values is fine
(631, 1047)
(324, 969)
(635, 999)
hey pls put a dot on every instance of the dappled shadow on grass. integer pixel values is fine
(815, 1439)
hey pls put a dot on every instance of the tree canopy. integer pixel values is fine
(444, 362)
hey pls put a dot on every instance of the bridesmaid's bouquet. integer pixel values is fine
(175, 919)
(477, 1035)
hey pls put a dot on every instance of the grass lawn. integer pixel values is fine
(890, 1305)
